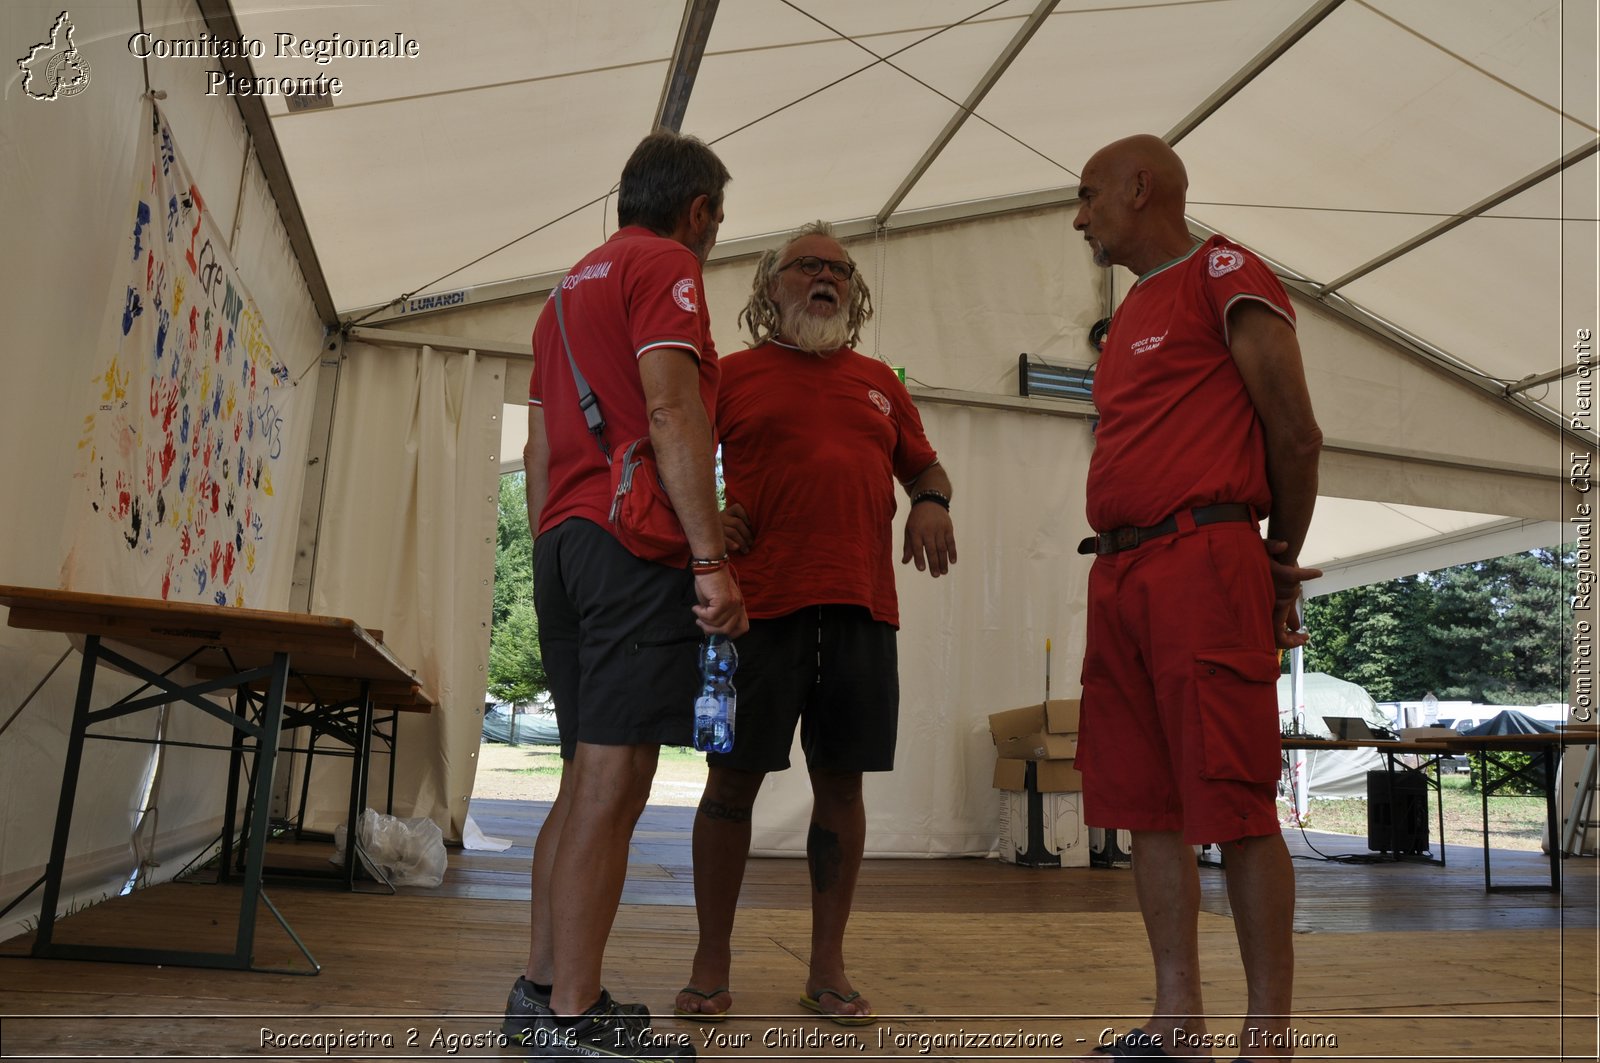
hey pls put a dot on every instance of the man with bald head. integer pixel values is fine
(1206, 428)
(814, 437)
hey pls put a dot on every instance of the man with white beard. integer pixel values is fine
(814, 436)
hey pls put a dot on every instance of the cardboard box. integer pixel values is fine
(1044, 776)
(1061, 716)
(1024, 734)
(1043, 830)
(1110, 848)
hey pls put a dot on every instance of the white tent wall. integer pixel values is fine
(65, 202)
(407, 547)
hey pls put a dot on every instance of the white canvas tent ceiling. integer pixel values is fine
(1416, 165)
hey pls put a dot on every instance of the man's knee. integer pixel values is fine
(614, 777)
(730, 794)
(836, 791)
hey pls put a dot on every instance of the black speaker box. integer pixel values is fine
(1397, 812)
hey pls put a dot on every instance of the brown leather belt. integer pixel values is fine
(1119, 539)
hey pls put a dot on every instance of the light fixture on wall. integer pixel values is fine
(1038, 380)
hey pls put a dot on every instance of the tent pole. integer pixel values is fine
(1297, 694)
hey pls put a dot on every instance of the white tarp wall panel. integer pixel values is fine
(66, 203)
(407, 547)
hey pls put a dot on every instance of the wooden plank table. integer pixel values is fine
(1546, 747)
(265, 659)
(1547, 750)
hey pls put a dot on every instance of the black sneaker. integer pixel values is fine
(527, 1004)
(605, 1031)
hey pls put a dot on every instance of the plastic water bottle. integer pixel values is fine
(715, 707)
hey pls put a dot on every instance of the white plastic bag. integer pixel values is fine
(410, 852)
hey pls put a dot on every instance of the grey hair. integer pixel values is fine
(761, 314)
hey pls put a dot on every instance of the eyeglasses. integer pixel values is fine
(811, 266)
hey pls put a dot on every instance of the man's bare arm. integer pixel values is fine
(1267, 353)
(536, 466)
(681, 435)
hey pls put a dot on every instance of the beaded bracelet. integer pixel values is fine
(702, 566)
(936, 497)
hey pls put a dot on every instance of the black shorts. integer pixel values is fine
(832, 668)
(618, 640)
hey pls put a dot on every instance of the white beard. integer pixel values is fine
(818, 335)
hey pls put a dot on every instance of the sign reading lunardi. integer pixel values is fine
(283, 46)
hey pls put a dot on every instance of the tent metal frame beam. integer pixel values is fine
(988, 81)
(222, 25)
(382, 337)
(1253, 69)
(1477, 543)
(693, 33)
(1516, 188)
(1528, 382)
(749, 246)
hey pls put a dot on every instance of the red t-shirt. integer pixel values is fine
(811, 447)
(634, 293)
(1177, 427)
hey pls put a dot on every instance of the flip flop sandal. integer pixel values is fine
(1135, 1044)
(702, 1016)
(814, 1003)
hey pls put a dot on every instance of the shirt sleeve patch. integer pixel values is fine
(1223, 261)
(683, 293)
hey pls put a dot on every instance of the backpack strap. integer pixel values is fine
(587, 401)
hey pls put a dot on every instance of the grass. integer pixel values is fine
(1514, 822)
(546, 760)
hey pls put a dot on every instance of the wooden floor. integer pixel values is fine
(1395, 961)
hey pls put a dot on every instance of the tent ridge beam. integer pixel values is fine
(990, 78)
(693, 33)
(1253, 69)
(381, 337)
(1552, 473)
(1516, 188)
(745, 247)
(220, 21)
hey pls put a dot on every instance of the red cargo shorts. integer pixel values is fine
(1179, 727)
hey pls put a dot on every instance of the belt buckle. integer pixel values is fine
(1125, 538)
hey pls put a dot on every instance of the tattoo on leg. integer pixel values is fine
(824, 856)
(730, 813)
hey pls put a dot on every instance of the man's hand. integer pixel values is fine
(930, 539)
(721, 608)
(736, 529)
(1286, 580)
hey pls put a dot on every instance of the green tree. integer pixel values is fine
(1490, 631)
(1369, 635)
(1527, 589)
(516, 672)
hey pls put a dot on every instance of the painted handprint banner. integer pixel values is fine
(186, 432)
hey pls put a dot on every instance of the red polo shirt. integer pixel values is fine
(635, 293)
(812, 447)
(1177, 427)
